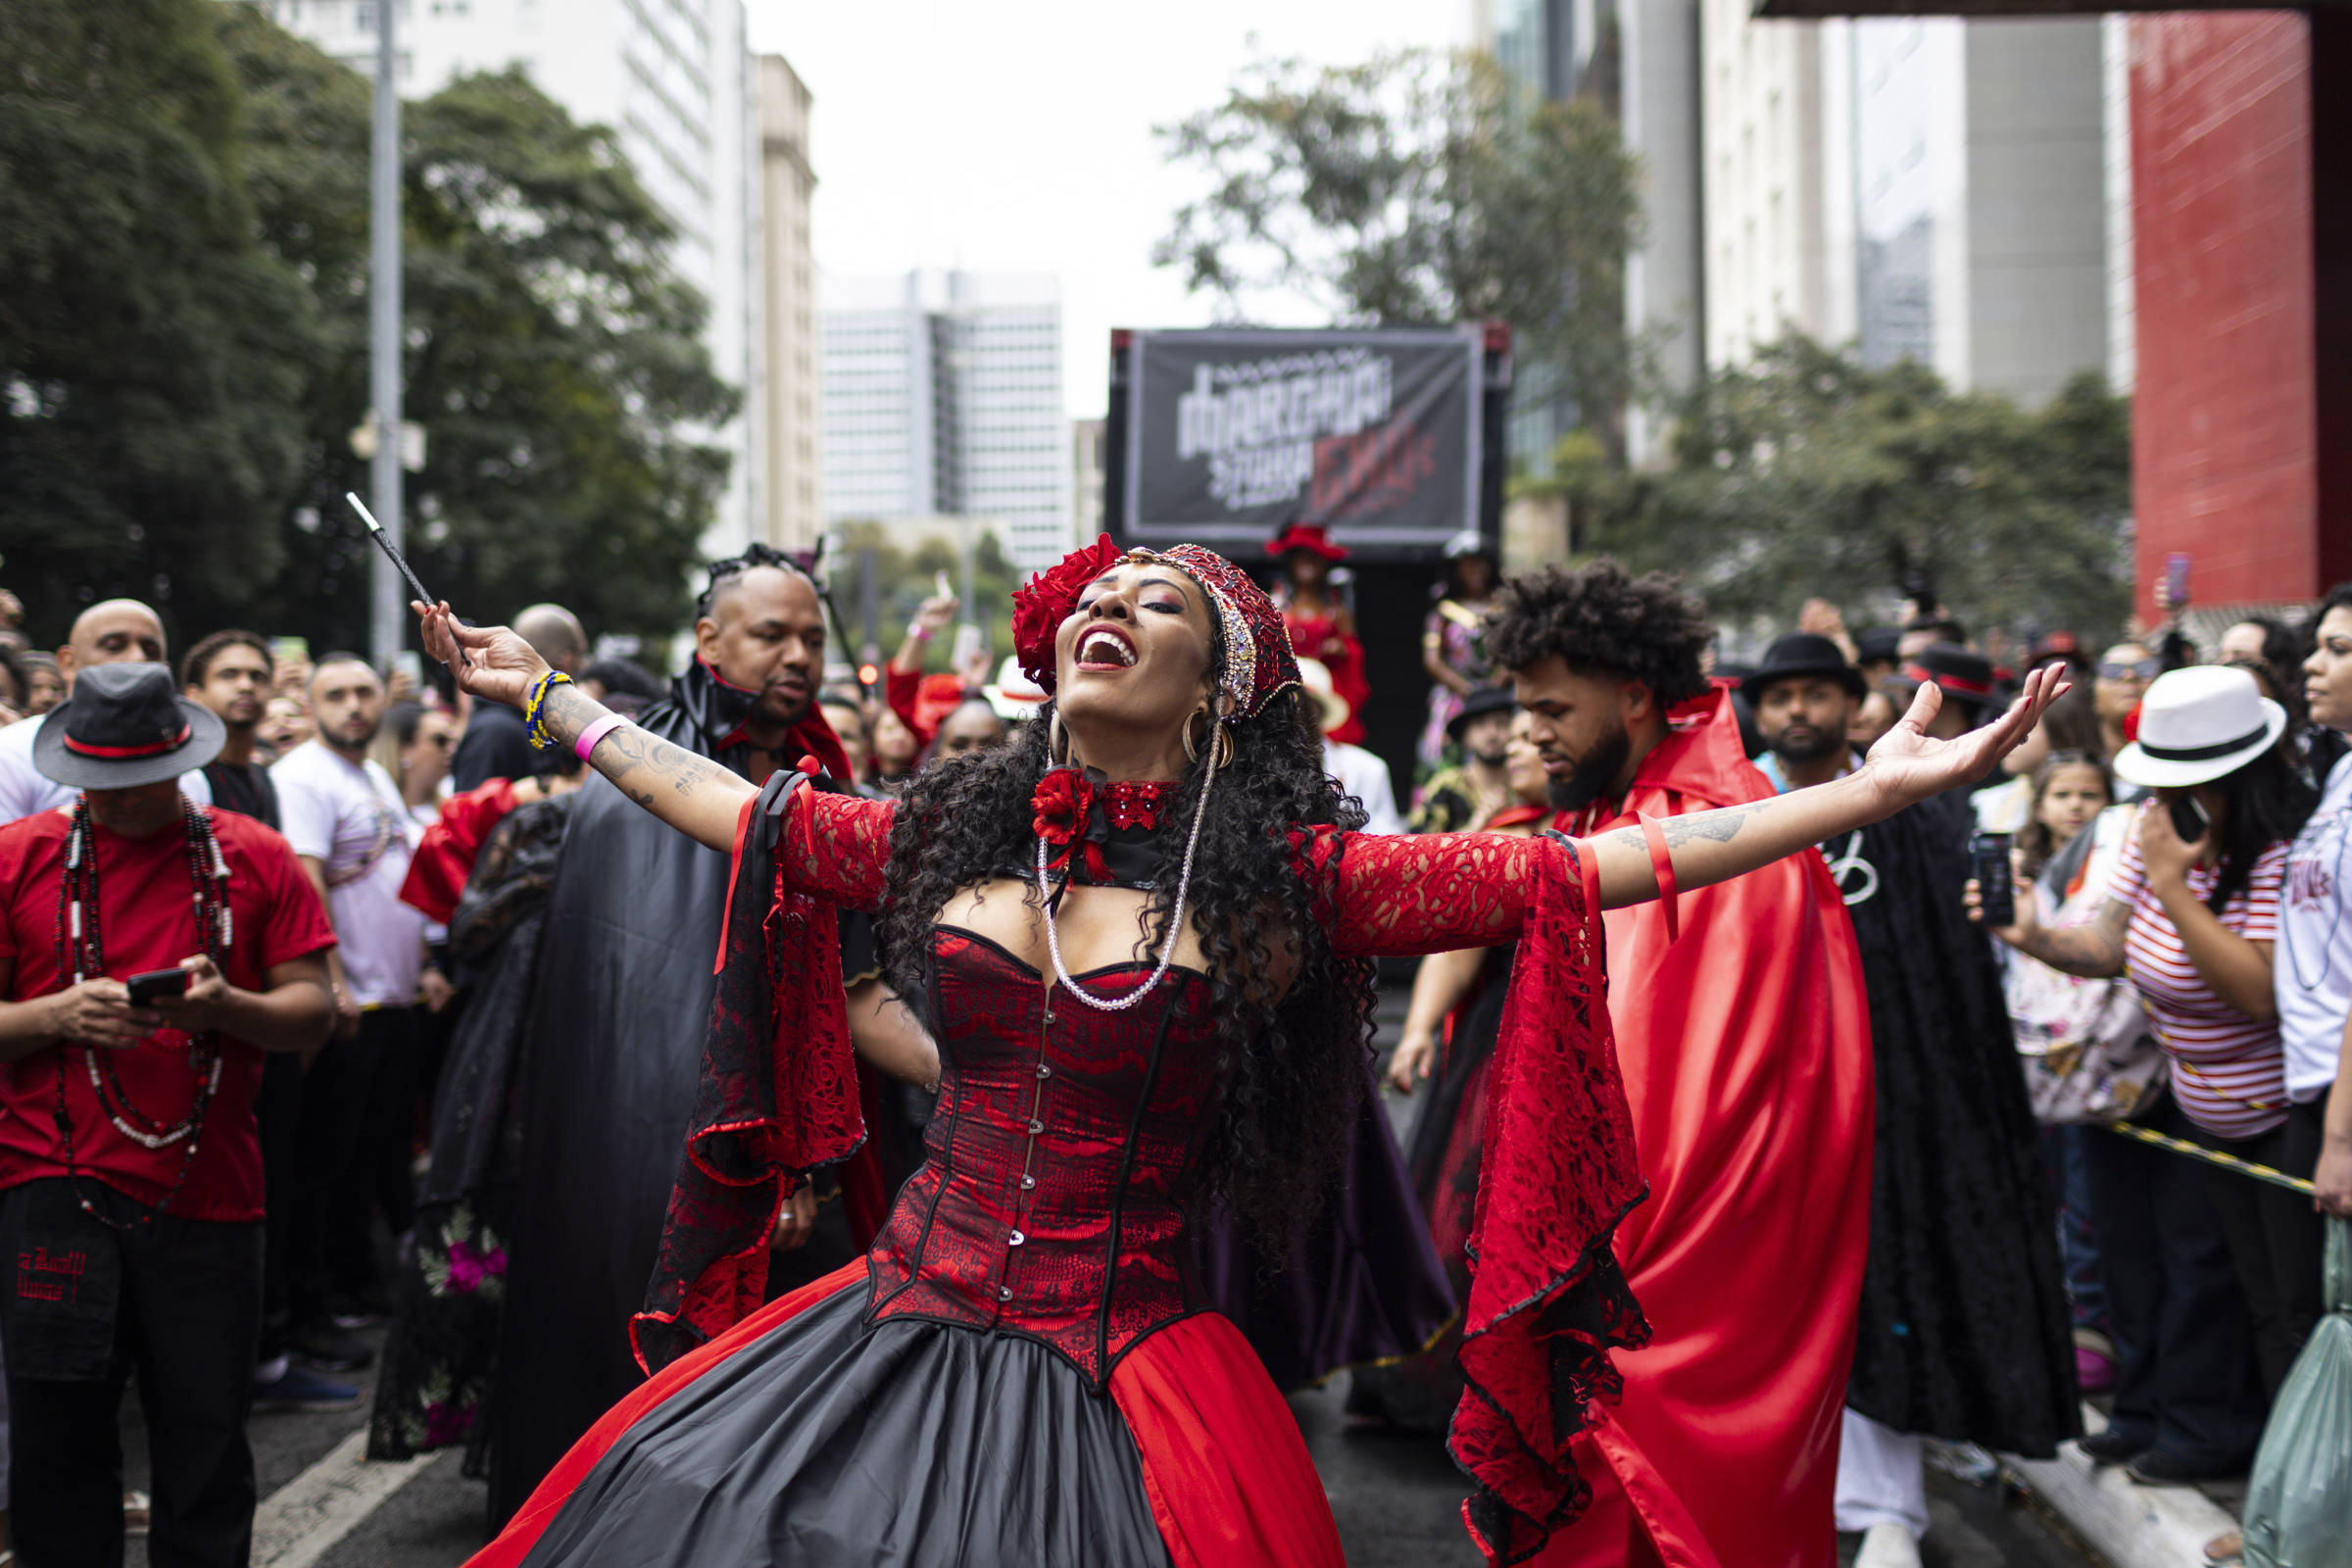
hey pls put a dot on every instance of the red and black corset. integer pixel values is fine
(1048, 1205)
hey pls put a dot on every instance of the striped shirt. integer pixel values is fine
(2228, 1070)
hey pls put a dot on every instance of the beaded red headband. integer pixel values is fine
(1258, 659)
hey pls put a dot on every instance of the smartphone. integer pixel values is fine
(2175, 581)
(2189, 818)
(1989, 863)
(939, 586)
(967, 643)
(290, 650)
(409, 662)
(157, 984)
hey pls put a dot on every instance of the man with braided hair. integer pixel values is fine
(1745, 1039)
(615, 1036)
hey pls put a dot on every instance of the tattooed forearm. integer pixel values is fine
(1703, 827)
(2093, 950)
(691, 792)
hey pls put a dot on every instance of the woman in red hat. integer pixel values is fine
(1320, 625)
(1143, 935)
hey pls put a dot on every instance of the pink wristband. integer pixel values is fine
(596, 732)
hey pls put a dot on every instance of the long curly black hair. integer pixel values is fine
(1295, 1054)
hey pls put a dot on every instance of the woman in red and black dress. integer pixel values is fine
(1142, 935)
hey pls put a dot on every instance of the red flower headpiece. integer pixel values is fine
(1259, 660)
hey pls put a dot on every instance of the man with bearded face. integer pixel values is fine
(1745, 1048)
(616, 1025)
(1964, 1333)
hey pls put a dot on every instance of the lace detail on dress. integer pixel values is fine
(835, 848)
(1395, 896)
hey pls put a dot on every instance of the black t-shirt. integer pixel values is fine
(497, 745)
(244, 789)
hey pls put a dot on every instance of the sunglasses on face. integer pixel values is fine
(2135, 669)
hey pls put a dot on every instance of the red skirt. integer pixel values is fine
(806, 1435)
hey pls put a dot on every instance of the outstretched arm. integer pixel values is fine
(691, 793)
(1905, 767)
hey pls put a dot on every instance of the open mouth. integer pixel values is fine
(1105, 648)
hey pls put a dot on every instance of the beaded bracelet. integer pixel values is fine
(534, 708)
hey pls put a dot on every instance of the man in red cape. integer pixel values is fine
(1743, 1036)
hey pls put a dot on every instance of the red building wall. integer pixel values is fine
(2242, 251)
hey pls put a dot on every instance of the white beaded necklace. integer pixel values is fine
(1167, 952)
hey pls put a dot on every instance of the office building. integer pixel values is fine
(1637, 60)
(940, 393)
(1086, 479)
(674, 80)
(788, 318)
(1929, 188)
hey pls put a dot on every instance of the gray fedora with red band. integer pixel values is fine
(125, 725)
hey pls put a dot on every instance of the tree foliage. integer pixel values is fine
(1417, 187)
(1806, 473)
(551, 355)
(153, 355)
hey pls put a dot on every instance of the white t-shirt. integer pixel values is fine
(1366, 777)
(348, 816)
(2312, 970)
(24, 790)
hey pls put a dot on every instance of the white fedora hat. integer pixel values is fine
(2198, 725)
(1315, 676)
(1015, 697)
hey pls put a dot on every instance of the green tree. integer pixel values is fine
(906, 573)
(553, 356)
(153, 358)
(1418, 187)
(1804, 472)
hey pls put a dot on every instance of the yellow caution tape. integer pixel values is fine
(2210, 1157)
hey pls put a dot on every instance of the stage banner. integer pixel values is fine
(1373, 432)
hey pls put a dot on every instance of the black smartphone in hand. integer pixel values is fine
(2189, 818)
(157, 984)
(1996, 887)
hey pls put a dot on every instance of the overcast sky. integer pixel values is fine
(1015, 135)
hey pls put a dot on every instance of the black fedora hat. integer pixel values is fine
(1482, 699)
(1963, 676)
(1802, 655)
(124, 726)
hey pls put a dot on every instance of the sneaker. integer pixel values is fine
(330, 1350)
(2093, 1371)
(1887, 1545)
(2115, 1446)
(361, 1310)
(300, 1389)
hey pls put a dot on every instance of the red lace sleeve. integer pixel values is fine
(835, 848)
(1397, 895)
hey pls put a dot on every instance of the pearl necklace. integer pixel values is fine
(1167, 952)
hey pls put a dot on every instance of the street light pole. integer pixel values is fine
(386, 616)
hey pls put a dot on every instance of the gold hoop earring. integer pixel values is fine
(1056, 753)
(1224, 758)
(1192, 748)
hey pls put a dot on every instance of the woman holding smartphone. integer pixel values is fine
(2191, 915)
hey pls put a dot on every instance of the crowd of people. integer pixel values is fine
(416, 1043)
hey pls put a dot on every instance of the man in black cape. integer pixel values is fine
(614, 1048)
(1964, 1333)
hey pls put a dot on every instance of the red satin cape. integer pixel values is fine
(445, 855)
(1229, 1477)
(1744, 1043)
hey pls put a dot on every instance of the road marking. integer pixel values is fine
(297, 1524)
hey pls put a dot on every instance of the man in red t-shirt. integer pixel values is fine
(130, 1172)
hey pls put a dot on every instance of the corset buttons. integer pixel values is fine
(1016, 1239)
(1036, 1127)
(1045, 1069)
(1028, 1182)
(1004, 1293)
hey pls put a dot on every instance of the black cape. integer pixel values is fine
(1964, 1331)
(612, 1051)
